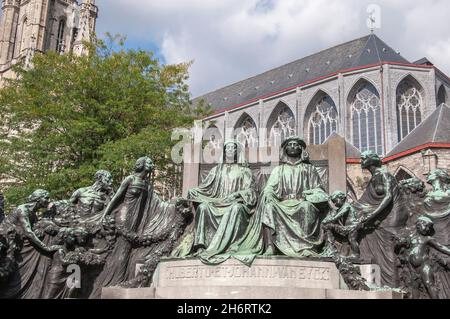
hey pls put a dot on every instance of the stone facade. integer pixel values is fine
(385, 79)
(30, 26)
(406, 95)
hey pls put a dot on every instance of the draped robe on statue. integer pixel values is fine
(437, 207)
(219, 221)
(159, 218)
(293, 221)
(377, 242)
(32, 262)
(137, 210)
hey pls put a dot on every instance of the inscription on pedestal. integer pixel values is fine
(262, 273)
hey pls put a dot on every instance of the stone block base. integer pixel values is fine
(125, 293)
(269, 293)
(267, 278)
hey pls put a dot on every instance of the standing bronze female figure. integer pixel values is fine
(128, 206)
(381, 217)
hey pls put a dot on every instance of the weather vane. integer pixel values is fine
(374, 19)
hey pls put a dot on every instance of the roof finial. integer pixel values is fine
(374, 19)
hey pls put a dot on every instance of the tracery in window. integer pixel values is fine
(281, 125)
(246, 132)
(365, 110)
(60, 45)
(409, 106)
(323, 119)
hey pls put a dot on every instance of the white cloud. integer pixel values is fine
(234, 39)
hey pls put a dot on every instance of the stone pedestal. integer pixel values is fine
(267, 278)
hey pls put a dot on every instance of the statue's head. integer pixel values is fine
(230, 151)
(438, 174)
(338, 198)
(293, 147)
(40, 197)
(370, 158)
(144, 164)
(413, 185)
(424, 225)
(104, 178)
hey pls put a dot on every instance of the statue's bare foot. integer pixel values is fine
(199, 252)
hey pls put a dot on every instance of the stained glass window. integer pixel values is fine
(442, 96)
(409, 107)
(213, 137)
(60, 45)
(246, 132)
(366, 119)
(281, 125)
(323, 120)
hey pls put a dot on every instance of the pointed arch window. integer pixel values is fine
(323, 119)
(60, 45)
(365, 110)
(246, 132)
(442, 96)
(281, 125)
(22, 42)
(213, 137)
(409, 107)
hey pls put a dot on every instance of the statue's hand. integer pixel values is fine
(233, 197)
(54, 248)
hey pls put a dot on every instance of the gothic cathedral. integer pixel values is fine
(30, 26)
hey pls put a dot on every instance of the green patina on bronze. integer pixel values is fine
(289, 214)
(224, 203)
(418, 253)
(437, 202)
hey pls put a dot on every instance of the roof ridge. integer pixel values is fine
(388, 46)
(376, 48)
(362, 51)
(284, 65)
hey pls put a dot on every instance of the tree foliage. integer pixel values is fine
(68, 116)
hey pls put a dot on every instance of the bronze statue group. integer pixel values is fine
(401, 227)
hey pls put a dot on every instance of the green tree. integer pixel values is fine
(68, 116)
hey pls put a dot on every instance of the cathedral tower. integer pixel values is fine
(29, 26)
